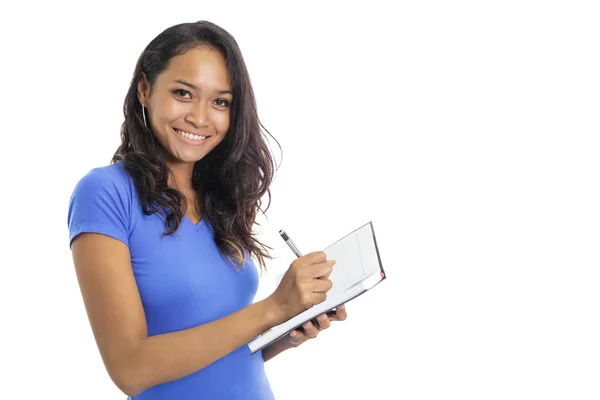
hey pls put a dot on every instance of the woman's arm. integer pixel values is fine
(134, 361)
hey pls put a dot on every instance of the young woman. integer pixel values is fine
(162, 237)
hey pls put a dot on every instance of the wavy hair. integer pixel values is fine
(232, 178)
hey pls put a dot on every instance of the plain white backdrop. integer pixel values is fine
(467, 131)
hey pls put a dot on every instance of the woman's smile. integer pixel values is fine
(191, 138)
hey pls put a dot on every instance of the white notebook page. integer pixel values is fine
(356, 258)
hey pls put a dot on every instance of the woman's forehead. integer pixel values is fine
(200, 66)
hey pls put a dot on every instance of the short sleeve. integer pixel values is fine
(100, 203)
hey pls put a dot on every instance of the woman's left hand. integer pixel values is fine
(311, 329)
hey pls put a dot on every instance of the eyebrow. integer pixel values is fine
(185, 83)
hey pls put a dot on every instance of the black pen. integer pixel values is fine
(290, 243)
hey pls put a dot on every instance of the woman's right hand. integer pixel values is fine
(304, 284)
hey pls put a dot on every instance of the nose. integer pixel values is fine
(198, 114)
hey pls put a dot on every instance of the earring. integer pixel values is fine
(144, 116)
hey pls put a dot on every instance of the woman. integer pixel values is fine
(162, 238)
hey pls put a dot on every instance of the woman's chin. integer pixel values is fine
(193, 158)
(187, 157)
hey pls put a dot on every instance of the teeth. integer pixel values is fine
(189, 135)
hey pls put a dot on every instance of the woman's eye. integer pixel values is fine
(181, 92)
(222, 103)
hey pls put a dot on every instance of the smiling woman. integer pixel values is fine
(189, 104)
(162, 238)
(191, 82)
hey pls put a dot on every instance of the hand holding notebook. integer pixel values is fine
(304, 291)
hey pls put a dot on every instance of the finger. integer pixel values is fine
(297, 337)
(310, 330)
(322, 285)
(317, 298)
(322, 270)
(315, 257)
(323, 322)
(327, 273)
(339, 314)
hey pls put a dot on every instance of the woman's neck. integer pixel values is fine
(180, 177)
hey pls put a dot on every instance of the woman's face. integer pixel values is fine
(188, 105)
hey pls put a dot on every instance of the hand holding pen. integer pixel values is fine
(305, 283)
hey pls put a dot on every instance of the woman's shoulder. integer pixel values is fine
(102, 202)
(109, 176)
(109, 182)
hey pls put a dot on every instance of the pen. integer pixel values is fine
(290, 243)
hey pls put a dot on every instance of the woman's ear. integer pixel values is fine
(143, 90)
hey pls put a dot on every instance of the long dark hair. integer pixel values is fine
(232, 178)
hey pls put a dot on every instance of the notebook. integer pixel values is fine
(357, 270)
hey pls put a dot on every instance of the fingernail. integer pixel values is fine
(322, 317)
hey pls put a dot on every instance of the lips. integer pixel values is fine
(190, 135)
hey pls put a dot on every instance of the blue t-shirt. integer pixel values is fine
(183, 281)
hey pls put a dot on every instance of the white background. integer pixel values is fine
(466, 131)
